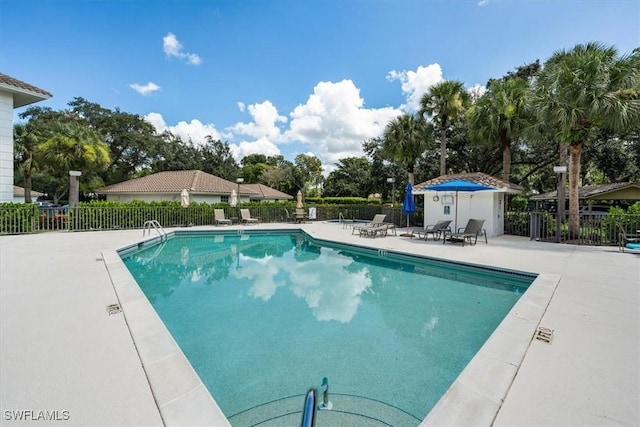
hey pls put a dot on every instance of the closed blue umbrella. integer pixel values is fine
(408, 205)
(457, 185)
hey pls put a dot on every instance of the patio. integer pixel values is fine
(61, 350)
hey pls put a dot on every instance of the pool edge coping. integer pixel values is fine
(472, 398)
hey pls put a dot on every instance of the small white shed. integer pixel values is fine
(460, 206)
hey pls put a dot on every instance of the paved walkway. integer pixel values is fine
(62, 356)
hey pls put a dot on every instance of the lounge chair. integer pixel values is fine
(437, 230)
(377, 230)
(625, 239)
(246, 217)
(218, 215)
(377, 221)
(469, 233)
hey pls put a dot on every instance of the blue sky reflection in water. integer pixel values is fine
(262, 317)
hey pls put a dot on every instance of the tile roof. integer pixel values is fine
(19, 84)
(601, 191)
(476, 177)
(19, 192)
(267, 192)
(195, 181)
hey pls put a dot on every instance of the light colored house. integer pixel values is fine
(202, 188)
(13, 94)
(18, 194)
(461, 206)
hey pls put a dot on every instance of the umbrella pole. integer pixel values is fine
(456, 222)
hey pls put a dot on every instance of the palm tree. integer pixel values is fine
(405, 139)
(582, 91)
(74, 146)
(500, 115)
(25, 148)
(444, 103)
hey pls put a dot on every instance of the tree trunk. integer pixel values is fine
(575, 150)
(27, 187)
(563, 180)
(443, 154)
(506, 158)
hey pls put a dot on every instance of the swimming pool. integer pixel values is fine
(383, 328)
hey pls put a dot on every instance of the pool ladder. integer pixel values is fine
(311, 406)
(148, 225)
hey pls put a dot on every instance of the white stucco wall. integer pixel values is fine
(6, 147)
(487, 205)
(157, 197)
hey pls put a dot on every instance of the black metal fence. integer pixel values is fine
(22, 218)
(594, 230)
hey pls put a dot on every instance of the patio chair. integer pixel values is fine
(377, 220)
(377, 230)
(246, 217)
(437, 230)
(629, 241)
(218, 217)
(469, 233)
(289, 217)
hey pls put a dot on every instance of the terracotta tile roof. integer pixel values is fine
(19, 192)
(194, 181)
(602, 192)
(10, 81)
(476, 177)
(267, 192)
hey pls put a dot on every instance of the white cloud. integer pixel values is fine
(172, 47)
(194, 130)
(416, 83)
(147, 89)
(483, 2)
(265, 118)
(262, 145)
(334, 122)
(477, 90)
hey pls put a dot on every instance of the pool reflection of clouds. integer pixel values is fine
(330, 291)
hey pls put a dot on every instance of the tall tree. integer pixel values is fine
(310, 170)
(218, 159)
(74, 146)
(25, 146)
(405, 139)
(350, 178)
(500, 116)
(582, 91)
(443, 103)
(133, 142)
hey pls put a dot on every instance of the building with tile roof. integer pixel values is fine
(202, 187)
(14, 93)
(460, 206)
(265, 193)
(613, 191)
(18, 194)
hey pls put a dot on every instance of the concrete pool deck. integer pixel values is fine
(61, 352)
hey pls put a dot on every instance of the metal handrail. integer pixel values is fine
(310, 409)
(156, 226)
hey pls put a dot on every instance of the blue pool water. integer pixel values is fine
(262, 317)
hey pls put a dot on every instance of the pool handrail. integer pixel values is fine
(310, 409)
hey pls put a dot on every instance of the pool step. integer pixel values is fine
(347, 411)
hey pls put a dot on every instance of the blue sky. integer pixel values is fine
(287, 76)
